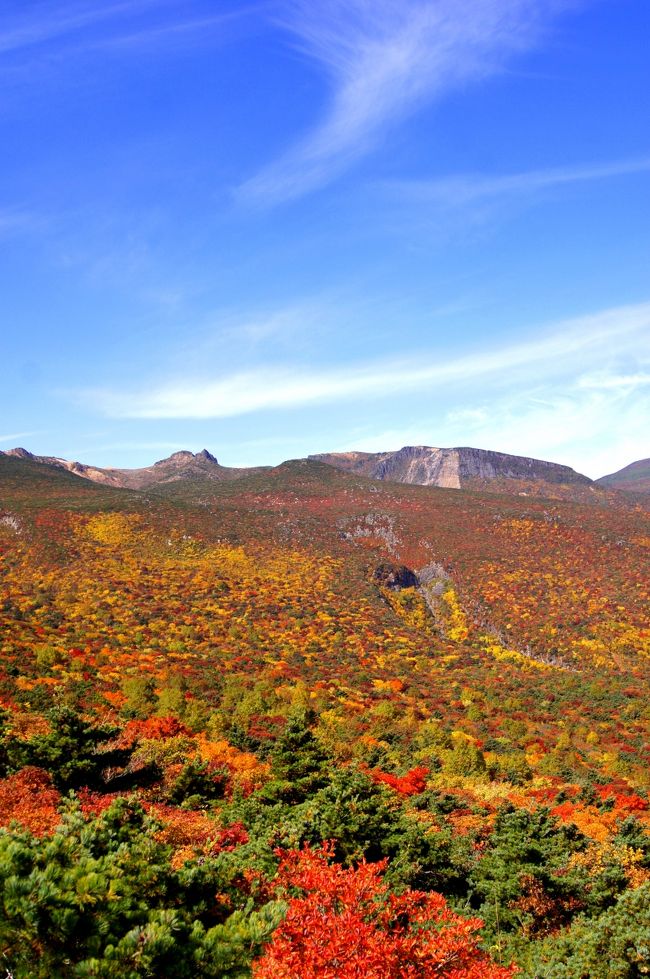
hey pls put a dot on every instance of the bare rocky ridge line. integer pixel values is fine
(452, 468)
(180, 465)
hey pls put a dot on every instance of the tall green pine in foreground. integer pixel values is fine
(523, 845)
(100, 898)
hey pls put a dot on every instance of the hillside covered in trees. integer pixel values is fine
(306, 724)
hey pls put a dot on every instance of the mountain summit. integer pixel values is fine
(452, 468)
(179, 465)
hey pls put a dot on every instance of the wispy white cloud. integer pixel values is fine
(468, 190)
(16, 435)
(279, 326)
(556, 351)
(58, 19)
(175, 31)
(594, 432)
(605, 381)
(384, 59)
(90, 26)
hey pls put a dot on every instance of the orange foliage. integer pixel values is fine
(29, 798)
(26, 725)
(348, 926)
(192, 833)
(248, 773)
(155, 728)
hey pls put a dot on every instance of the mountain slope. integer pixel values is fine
(180, 465)
(446, 680)
(634, 478)
(452, 468)
(28, 484)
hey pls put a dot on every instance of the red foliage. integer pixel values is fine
(158, 728)
(229, 838)
(29, 798)
(348, 926)
(564, 811)
(414, 782)
(624, 800)
(632, 803)
(94, 803)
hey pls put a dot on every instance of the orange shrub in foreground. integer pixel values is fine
(348, 926)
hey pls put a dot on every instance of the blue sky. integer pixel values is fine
(286, 227)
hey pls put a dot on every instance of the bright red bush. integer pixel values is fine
(414, 782)
(347, 925)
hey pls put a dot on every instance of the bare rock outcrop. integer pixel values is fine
(452, 468)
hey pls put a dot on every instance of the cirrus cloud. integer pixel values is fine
(383, 60)
(566, 348)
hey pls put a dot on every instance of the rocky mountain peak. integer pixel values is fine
(19, 453)
(206, 456)
(184, 456)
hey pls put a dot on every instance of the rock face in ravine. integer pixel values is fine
(451, 468)
(180, 465)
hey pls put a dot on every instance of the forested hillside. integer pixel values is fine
(306, 724)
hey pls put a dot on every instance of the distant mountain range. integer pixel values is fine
(452, 468)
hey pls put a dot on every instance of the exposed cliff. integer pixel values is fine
(452, 468)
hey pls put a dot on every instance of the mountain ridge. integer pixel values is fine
(452, 468)
(459, 467)
(179, 465)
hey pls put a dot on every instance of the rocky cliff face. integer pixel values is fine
(451, 468)
(421, 465)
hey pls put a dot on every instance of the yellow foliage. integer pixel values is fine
(457, 629)
(603, 854)
(110, 528)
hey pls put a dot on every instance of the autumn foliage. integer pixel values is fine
(29, 798)
(227, 676)
(347, 925)
(413, 783)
